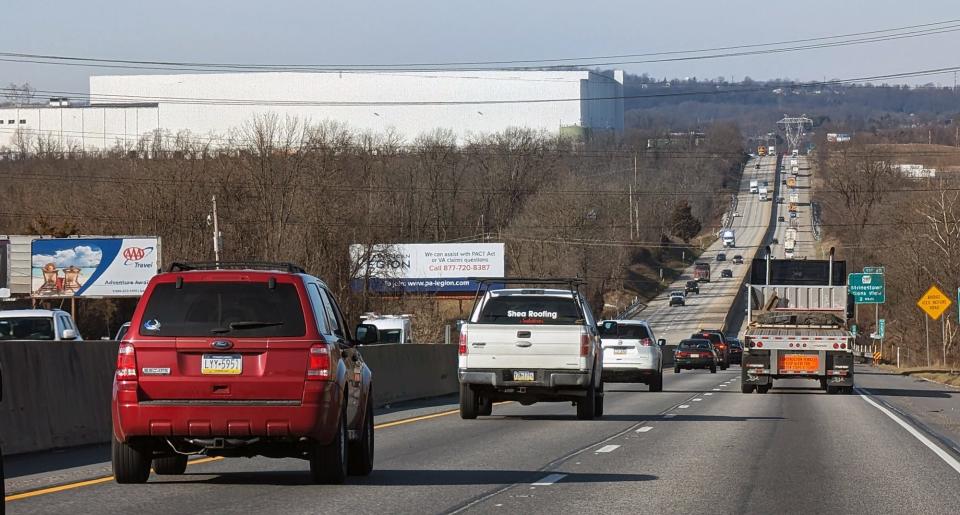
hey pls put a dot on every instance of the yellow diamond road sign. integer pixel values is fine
(934, 302)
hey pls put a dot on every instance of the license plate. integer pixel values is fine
(221, 364)
(694, 355)
(523, 375)
(800, 362)
(620, 351)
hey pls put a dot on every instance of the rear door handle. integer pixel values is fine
(524, 344)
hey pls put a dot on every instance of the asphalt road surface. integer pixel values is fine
(700, 446)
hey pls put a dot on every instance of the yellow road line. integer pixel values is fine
(105, 479)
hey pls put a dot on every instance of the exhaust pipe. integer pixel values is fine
(222, 443)
(769, 252)
(830, 279)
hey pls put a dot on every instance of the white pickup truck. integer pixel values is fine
(531, 345)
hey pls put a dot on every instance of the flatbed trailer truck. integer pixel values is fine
(797, 314)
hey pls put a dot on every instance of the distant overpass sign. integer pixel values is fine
(867, 288)
(873, 269)
(934, 302)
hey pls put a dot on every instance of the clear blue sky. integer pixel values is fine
(389, 31)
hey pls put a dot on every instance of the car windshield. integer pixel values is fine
(26, 328)
(237, 309)
(624, 331)
(390, 335)
(531, 309)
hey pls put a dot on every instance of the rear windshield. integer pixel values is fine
(530, 309)
(235, 309)
(702, 266)
(713, 337)
(625, 332)
(26, 328)
(694, 345)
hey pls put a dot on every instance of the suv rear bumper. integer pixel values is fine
(544, 378)
(314, 417)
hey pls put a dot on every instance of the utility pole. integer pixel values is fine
(630, 196)
(926, 320)
(216, 234)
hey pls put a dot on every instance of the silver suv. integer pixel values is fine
(37, 324)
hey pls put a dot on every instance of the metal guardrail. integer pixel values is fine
(635, 307)
(815, 215)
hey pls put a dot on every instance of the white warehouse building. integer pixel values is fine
(124, 109)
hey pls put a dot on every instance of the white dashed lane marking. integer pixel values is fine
(683, 406)
(549, 480)
(608, 448)
(670, 415)
(708, 393)
(698, 399)
(644, 429)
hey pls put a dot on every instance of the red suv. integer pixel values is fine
(241, 359)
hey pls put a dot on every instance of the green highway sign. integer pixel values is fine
(853, 329)
(873, 269)
(867, 288)
(881, 328)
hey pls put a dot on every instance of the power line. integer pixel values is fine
(822, 42)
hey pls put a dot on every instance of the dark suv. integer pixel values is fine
(693, 287)
(240, 360)
(719, 344)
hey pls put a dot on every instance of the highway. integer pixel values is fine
(806, 243)
(698, 447)
(709, 308)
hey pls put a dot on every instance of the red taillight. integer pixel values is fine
(584, 345)
(126, 363)
(463, 342)
(836, 345)
(319, 368)
(759, 344)
(843, 345)
(646, 342)
(681, 354)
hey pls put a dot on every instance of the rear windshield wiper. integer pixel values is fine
(251, 324)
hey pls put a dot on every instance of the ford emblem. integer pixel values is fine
(221, 344)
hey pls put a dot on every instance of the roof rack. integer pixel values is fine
(289, 268)
(483, 283)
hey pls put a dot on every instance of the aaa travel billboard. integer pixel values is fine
(94, 267)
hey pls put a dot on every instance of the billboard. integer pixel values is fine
(424, 267)
(93, 267)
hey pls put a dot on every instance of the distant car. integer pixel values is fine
(38, 324)
(779, 200)
(774, 241)
(780, 219)
(736, 213)
(726, 273)
(716, 337)
(694, 353)
(783, 181)
(678, 298)
(721, 257)
(736, 350)
(693, 287)
(738, 259)
(758, 166)
(793, 214)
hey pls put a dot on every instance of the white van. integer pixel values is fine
(392, 328)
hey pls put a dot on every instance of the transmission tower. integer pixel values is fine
(794, 127)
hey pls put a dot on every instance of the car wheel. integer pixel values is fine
(656, 385)
(469, 404)
(328, 463)
(485, 406)
(823, 383)
(747, 388)
(170, 465)
(724, 366)
(764, 388)
(360, 453)
(676, 370)
(586, 407)
(130, 465)
(598, 402)
(713, 369)
(832, 390)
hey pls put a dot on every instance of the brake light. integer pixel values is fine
(126, 363)
(584, 345)
(843, 345)
(463, 342)
(646, 342)
(759, 344)
(836, 345)
(319, 367)
(681, 354)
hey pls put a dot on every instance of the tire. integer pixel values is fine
(832, 390)
(328, 462)
(823, 384)
(130, 466)
(747, 388)
(485, 406)
(598, 402)
(676, 370)
(764, 388)
(170, 465)
(724, 366)
(469, 403)
(586, 407)
(360, 453)
(713, 369)
(657, 384)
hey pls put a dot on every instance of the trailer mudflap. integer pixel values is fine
(755, 367)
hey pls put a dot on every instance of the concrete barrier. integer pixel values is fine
(57, 394)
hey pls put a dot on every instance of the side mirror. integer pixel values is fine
(661, 342)
(69, 334)
(367, 334)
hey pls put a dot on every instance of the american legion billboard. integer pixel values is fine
(424, 267)
(93, 267)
